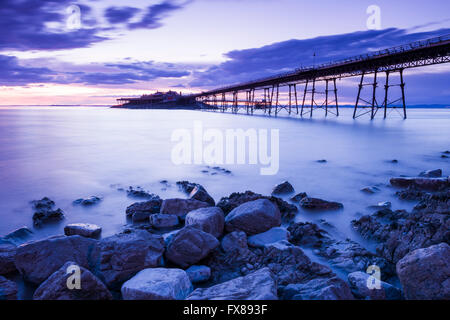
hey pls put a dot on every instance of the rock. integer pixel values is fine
(259, 285)
(18, 236)
(37, 260)
(444, 156)
(381, 206)
(56, 286)
(189, 246)
(319, 204)
(83, 229)
(234, 241)
(283, 189)
(196, 191)
(8, 289)
(140, 211)
(210, 220)
(430, 184)
(88, 201)
(299, 196)
(431, 174)
(318, 289)
(140, 193)
(394, 161)
(7, 253)
(120, 257)
(157, 284)
(370, 190)
(164, 221)
(322, 161)
(45, 213)
(253, 217)
(273, 235)
(199, 273)
(181, 207)
(425, 273)
(359, 284)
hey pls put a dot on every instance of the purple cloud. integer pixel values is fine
(155, 13)
(14, 74)
(120, 14)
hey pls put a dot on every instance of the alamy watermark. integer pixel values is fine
(374, 280)
(374, 19)
(74, 280)
(73, 21)
(231, 146)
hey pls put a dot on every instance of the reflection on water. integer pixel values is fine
(70, 153)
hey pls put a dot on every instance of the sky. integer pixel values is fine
(94, 51)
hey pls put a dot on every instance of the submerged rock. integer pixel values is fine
(319, 204)
(370, 190)
(140, 211)
(271, 236)
(425, 273)
(210, 220)
(199, 273)
(164, 221)
(45, 213)
(359, 284)
(283, 189)
(18, 236)
(299, 196)
(381, 206)
(189, 246)
(157, 284)
(259, 285)
(431, 173)
(56, 286)
(138, 192)
(253, 217)
(88, 201)
(181, 207)
(119, 257)
(37, 260)
(196, 191)
(83, 229)
(8, 289)
(430, 184)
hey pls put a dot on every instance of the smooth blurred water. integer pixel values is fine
(70, 152)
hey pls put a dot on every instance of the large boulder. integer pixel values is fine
(120, 257)
(234, 241)
(189, 246)
(37, 260)
(283, 189)
(140, 211)
(271, 236)
(425, 273)
(363, 287)
(319, 204)
(253, 217)
(210, 220)
(430, 184)
(163, 221)
(83, 229)
(7, 253)
(318, 289)
(181, 207)
(157, 284)
(8, 289)
(259, 285)
(56, 286)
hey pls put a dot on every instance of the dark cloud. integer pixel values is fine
(251, 64)
(24, 26)
(155, 13)
(120, 14)
(13, 74)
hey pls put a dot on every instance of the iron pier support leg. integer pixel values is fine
(276, 105)
(402, 86)
(336, 97)
(312, 96)
(304, 96)
(386, 91)
(296, 100)
(290, 98)
(326, 98)
(374, 97)
(359, 95)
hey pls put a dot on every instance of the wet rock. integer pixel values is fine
(181, 207)
(37, 260)
(56, 286)
(363, 287)
(18, 236)
(234, 241)
(83, 229)
(140, 193)
(425, 273)
(411, 193)
(394, 161)
(319, 204)
(7, 253)
(253, 217)
(299, 196)
(210, 220)
(45, 213)
(227, 204)
(322, 161)
(140, 211)
(283, 189)
(88, 201)
(8, 289)
(370, 190)
(271, 236)
(164, 221)
(318, 289)
(381, 206)
(199, 273)
(259, 285)
(157, 284)
(196, 192)
(444, 156)
(430, 184)
(431, 173)
(189, 246)
(119, 257)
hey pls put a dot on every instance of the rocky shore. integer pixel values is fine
(246, 246)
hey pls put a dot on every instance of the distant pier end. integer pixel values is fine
(162, 100)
